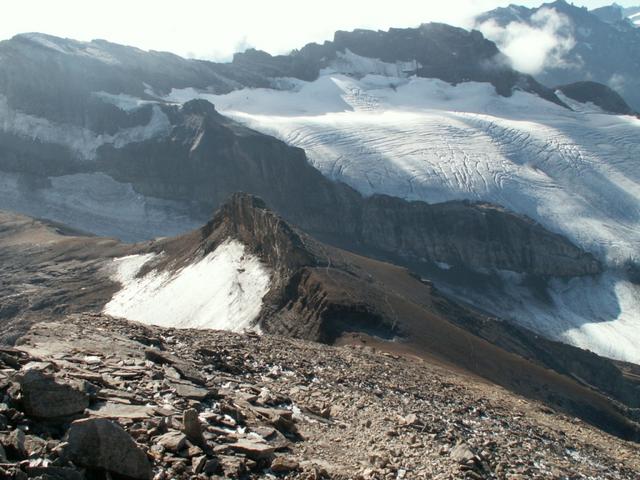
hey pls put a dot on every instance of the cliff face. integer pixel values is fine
(475, 235)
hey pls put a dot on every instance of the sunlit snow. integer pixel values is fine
(222, 291)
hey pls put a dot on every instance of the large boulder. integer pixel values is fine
(45, 397)
(98, 443)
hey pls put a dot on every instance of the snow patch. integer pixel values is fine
(222, 291)
(72, 47)
(352, 64)
(122, 101)
(82, 141)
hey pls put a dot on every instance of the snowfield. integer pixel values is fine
(576, 172)
(222, 291)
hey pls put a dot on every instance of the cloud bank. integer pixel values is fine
(532, 47)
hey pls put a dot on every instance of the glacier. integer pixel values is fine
(576, 171)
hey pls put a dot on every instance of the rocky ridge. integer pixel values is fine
(218, 405)
(318, 293)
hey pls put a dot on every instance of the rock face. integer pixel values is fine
(475, 235)
(432, 50)
(102, 444)
(46, 398)
(600, 95)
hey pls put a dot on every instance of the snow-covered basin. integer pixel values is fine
(222, 291)
(575, 172)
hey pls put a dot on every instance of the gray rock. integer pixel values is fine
(34, 446)
(55, 473)
(101, 444)
(252, 449)
(3, 455)
(172, 441)
(284, 465)
(211, 467)
(190, 391)
(45, 397)
(16, 443)
(192, 426)
(462, 453)
(120, 410)
(198, 464)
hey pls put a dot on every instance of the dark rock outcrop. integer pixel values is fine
(104, 445)
(600, 95)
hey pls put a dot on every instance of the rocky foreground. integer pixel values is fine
(96, 397)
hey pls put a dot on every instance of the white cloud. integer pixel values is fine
(617, 82)
(531, 47)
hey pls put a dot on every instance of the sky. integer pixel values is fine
(214, 30)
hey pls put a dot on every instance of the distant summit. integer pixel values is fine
(606, 45)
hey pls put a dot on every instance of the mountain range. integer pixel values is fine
(408, 189)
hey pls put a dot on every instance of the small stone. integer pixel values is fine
(172, 441)
(191, 391)
(101, 444)
(119, 410)
(92, 360)
(15, 444)
(232, 467)
(410, 420)
(192, 426)
(284, 465)
(253, 449)
(211, 467)
(34, 446)
(462, 453)
(198, 464)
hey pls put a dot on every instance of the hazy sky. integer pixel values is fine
(215, 29)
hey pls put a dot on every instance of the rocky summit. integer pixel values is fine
(165, 403)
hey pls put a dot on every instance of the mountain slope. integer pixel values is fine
(267, 406)
(313, 291)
